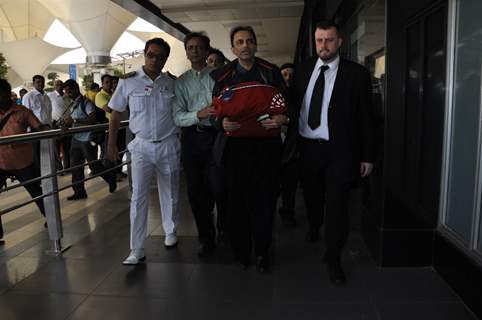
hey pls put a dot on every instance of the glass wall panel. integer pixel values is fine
(466, 116)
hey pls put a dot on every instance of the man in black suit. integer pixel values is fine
(332, 130)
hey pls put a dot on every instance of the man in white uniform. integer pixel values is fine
(156, 148)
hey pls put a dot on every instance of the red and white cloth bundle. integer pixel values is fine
(246, 103)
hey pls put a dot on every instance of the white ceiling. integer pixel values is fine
(275, 22)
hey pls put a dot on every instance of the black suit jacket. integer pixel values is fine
(350, 115)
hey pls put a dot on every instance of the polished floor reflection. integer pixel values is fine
(89, 282)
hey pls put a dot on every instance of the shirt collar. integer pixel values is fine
(333, 65)
(142, 74)
(105, 92)
(36, 92)
(205, 70)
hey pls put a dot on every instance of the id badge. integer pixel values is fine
(148, 90)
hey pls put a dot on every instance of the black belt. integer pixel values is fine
(201, 129)
(318, 141)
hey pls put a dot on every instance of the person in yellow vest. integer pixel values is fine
(92, 92)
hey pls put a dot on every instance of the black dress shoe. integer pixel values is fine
(112, 185)
(262, 264)
(244, 262)
(288, 221)
(313, 235)
(336, 274)
(206, 249)
(223, 238)
(77, 196)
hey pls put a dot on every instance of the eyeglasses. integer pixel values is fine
(159, 57)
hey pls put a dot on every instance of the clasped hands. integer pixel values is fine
(273, 122)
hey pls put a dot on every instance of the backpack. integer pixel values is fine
(98, 137)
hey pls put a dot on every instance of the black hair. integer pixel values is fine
(242, 28)
(38, 76)
(327, 24)
(201, 35)
(23, 90)
(105, 76)
(161, 43)
(218, 52)
(286, 66)
(94, 86)
(71, 84)
(5, 86)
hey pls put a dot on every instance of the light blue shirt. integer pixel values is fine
(322, 132)
(193, 90)
(78, 114)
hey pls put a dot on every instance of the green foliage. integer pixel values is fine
(87, 81)
(118, 73)
(52, 76)
(3, 67)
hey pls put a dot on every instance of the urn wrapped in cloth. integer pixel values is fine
(249, 103)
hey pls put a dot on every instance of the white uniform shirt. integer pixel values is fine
(322, 131)
(40, 105)
(60, 104)
(149, 105)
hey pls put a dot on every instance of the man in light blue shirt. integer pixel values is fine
(82, 112)
(191, 111)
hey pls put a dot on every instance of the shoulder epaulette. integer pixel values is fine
(128, 75)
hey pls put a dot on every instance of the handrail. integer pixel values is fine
(54, 133)
(40, 178)
(44, 195)
(50, 195)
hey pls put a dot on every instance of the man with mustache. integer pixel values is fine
(191, 111)
(155, 150)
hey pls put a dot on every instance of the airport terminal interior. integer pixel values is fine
(415, 245)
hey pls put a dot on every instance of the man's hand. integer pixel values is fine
(112, 153)
(275, 121)
(205, 112)
(366, 168)
(67, 122)
(229, 125)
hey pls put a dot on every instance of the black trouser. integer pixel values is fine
(36, 157)
(204, 183)
(326, 184)
(289, 184)
(79, 152)
(34, 188)
(252, 167)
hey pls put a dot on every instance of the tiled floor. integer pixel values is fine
(88, 281)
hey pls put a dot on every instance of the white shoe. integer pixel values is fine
(171, 240)
(135, 257)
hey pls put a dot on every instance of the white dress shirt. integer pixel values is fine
(322, 132)
(40, 105)
(60, 104)
(149, 104)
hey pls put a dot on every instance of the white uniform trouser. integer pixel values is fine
(162, 160)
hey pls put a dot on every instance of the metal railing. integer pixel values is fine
(48, 176)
